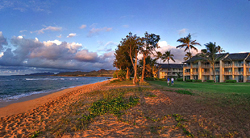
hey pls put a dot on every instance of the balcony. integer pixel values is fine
(238, 65)
(216, 73)
(227, 65)
(187, 73)
(227, 73)
(238, 73)
(216, 65)
(205, 66)
(194, 66)
(248, 73)
(205, 73)
(195, 73)
(248, 65)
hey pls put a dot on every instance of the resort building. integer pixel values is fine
(235, 66)
(170, 70)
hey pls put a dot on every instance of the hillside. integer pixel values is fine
(99, 73)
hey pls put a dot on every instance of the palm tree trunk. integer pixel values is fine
(127, 75)
(143, 68)
(135, 69)
(213, 72)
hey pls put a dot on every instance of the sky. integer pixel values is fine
(69, 35)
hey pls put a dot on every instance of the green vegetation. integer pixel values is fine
(210, 81)
(222, 88)
(99, 73)
(230, 81)
(179, 79)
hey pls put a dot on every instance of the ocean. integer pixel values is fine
(14, 87)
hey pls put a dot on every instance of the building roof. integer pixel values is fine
(236, 56)
(168, 66)
(194, 58)
(230, 57)
(248, 58)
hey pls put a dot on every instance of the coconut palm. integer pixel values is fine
(188, 55)
(167, 56)
(209, 54)
(188, 43)
(220, 49)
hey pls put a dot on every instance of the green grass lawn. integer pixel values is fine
(236, 88)
(216, 94)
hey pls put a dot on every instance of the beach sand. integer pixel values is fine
(17, 117)
(31, 102)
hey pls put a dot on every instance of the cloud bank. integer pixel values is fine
(53, 55)
(3, 41)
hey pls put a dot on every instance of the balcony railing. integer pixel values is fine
(195, 73)
(248, 73)
(194, 66)
(227, 65)
(238, 65)
(227, 73)
(205, 73)
(248, 65)
(187, 73)
(205, 66)
(216, 73)
(216, 65)
(238, 73)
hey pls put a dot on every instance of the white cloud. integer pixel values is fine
(3, 41)
(49, 28)
(20, 37)
(21, 31)
(71, 35)
(50, 43)
(60, 36)
(182, 31)
(125, 26)
(94, 31)
(83, 26)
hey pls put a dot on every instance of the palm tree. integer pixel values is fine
(188, 43)
(209, 54)
(188, 55)
(220, 49)
(167, 56)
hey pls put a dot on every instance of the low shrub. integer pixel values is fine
(179, 79)
(189, 80)
(210, 81)
(149, 79)
(164, 79)
(230, 81)
(121, 75)
(197, 80)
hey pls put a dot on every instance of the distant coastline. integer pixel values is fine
(99, 73)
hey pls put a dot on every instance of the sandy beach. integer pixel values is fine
(14, 115)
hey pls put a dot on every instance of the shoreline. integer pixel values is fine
(25, 104)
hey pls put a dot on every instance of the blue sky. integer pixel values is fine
(56, 35)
